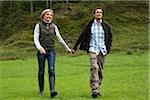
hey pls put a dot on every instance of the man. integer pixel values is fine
(96, 39)
(45, 33)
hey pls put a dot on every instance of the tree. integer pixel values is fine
(31, 7)
(66, 7)
(49, 3)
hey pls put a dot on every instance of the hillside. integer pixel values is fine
(129, 21)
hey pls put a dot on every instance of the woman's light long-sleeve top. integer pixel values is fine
(58, 36)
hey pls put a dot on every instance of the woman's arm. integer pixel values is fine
(60, 39)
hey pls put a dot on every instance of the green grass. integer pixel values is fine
(125, 78)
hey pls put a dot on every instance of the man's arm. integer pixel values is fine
(78, 41)
(110, 39)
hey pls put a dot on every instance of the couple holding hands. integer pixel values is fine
(96, 39)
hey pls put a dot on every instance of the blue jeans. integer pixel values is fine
(50, 56)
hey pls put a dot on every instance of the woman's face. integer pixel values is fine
(48, 16)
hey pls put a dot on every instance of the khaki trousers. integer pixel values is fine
(96, 62)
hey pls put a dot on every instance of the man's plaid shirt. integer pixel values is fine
(97, 43)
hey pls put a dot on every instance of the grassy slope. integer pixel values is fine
(129, 21)
(125, 78)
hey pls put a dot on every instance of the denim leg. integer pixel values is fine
(41, 66)
(51, 69)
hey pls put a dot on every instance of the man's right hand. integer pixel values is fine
(42, 51)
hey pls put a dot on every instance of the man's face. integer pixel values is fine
(48, 16)
(98, 14)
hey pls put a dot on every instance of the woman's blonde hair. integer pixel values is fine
(45, 11)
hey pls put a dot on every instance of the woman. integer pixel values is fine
(44, 34)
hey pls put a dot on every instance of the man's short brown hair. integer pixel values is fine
(98, 8)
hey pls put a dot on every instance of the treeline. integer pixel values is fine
(129, 21)
(14, 14)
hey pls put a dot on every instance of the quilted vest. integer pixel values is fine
(47, 35)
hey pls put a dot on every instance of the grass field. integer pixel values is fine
(125, 78)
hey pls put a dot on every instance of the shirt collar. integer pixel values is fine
(97, 22)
